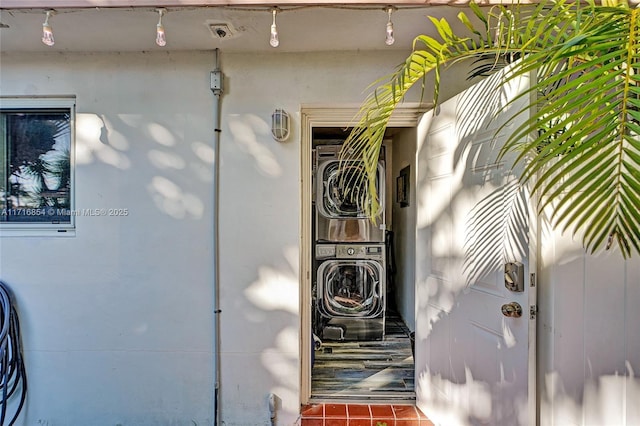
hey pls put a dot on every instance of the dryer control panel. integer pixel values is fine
(350, 251)
(359, 251)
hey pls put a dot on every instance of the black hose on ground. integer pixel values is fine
(13, 375)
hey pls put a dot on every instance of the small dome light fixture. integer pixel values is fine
(280, 125)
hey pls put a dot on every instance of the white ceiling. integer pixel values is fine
(307, 28)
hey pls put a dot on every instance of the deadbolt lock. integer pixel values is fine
(512, 310)
(514, 276)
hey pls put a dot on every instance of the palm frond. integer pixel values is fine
(579, 142)
(430, 54)
(582, 163)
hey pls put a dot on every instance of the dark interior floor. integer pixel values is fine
(366, 370)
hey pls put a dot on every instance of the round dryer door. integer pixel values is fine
(351, 289)
(342, 191)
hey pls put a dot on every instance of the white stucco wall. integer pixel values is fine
(590, 359)
(260, 219)
(117, 321)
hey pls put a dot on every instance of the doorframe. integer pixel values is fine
(535, 243)
(325, 115)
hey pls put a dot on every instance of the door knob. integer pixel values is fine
(513, 310)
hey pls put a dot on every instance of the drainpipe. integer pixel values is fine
(273, 403)
(216, 88)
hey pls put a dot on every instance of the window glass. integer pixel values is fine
(35, 166)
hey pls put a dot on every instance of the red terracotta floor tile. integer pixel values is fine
(336, 421)
(362, 415)
(360, 422)
(409, 422)
(335, 410)
(382, 420)
(405, 412)
(315, 410)
(358, 411)
(382, 411)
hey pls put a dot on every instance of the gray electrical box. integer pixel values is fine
(217, 80)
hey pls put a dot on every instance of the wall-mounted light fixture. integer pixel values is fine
(47, 31)
(280, 125)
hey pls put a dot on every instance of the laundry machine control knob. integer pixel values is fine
(351, 251)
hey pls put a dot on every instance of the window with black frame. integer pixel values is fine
(36, 167)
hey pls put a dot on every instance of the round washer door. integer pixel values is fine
(350, 289)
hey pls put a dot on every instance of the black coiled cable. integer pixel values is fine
(13, 375)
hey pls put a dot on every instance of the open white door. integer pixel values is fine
(474, 364)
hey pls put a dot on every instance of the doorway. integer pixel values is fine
(374, 363)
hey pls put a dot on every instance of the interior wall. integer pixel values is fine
(404, 225)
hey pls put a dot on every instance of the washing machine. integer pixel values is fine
(340, 214)
(350, 294)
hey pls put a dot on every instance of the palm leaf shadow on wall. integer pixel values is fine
(492, 239)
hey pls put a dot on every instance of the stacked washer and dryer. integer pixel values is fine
(349, 293)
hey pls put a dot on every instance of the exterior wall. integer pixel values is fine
(260, 220)
(117, 321)
(589, 362)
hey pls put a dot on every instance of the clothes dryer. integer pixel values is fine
(340, 214)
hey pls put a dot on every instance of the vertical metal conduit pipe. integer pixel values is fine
(217, 89)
